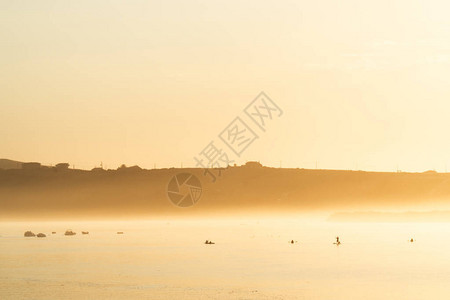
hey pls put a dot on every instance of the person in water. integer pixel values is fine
(292, 241)
(337, 240)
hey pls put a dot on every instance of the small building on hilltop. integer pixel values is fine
(62, 166)
(253, 165)
(123, 168)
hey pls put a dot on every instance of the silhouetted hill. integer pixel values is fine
(134, 191)
(7, 164)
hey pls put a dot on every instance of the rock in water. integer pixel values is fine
(29, 234)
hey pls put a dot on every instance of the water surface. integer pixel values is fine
(252, 259)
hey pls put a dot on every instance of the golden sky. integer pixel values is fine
(362, 84)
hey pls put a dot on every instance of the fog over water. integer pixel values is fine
(252, 258)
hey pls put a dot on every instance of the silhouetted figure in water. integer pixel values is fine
(209, 242)
(206, 242)
(412, 240)
(338, 242)
(292, 241)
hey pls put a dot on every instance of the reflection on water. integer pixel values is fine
(252, 259)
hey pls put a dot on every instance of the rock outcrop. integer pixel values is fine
(29, 234)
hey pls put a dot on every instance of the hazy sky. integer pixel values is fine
(363, 84)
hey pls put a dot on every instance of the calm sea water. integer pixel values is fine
(252, 259)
